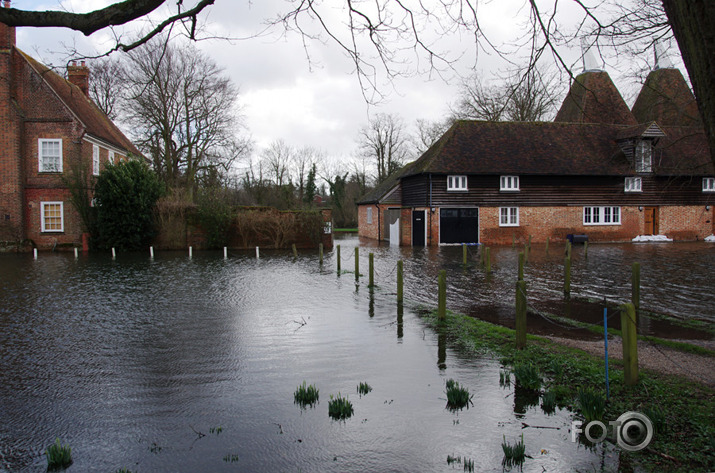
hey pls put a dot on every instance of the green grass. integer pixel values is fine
(548, 402)
(340, 407)
(526, 375)
(458, 397)
(345, 230)
(306, 395)
(58, 456)
(514, 455)
(592, 404)
(688, 407)
(363, 388)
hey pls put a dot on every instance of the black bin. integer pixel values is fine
(577, 238)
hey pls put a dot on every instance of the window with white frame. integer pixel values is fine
(633, 184)
(709, 184)
(369, 215)
(50, 155)
(509, 183)
(644, 152)
(456, 183)
(601, 215)
(110, 157)
(509, 216)
(95, 160)
(51, 217)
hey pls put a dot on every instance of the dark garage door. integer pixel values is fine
(459, 225)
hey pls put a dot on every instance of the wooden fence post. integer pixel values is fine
(400, 282)
(338, 260)
(567, 276)
(488, 259)
(295, 250)
(464, 254)
(629, 335)
(521, 267)
(636, 287)
(585, 249)
(371, 264)
(442, 296)
(320, 253)
(520, 314)
(357, 263)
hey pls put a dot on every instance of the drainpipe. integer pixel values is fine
(379, 227)
(429, 212)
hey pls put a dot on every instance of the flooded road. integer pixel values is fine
(175, 364)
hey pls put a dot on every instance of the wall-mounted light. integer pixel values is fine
(433, 209)
(640, 209)
(707, 207)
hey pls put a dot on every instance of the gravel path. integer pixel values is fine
(698, 368)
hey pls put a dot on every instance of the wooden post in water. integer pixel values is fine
(338, 260)
(585, 249)
(225, 253)
(320, 253)
(521, 266)
(371, 265)
(636, 287)
(34, 253)
(568, 249)
(400, 283)
(151, 252)
(464, 254)
(114, 253)
(567, 276)
(630, 344)
(258, 253)
(442, 296)
(526, 253)
(547, 245)
(520, 314)
(191, 252)
(295, 250)
(76, 253)
(529, 242)
(357, 263)
(487, 260)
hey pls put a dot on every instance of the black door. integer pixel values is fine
(459, 226)
(418, 228)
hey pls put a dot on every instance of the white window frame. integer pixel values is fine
(95, 160)
(596, 215)
(42, 166)
(110, 156)
(457, 183)
(369, 216)
(509, 183)
(633, 184)
(43, 222)
(508, 216)
(644, 156)
(709, 184)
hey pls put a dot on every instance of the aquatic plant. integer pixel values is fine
(504, 378)
(216, 430)
(58, 456)
(451, 459)
(306, 395)
(123, 470)
(548, 402)
(339, 407)
(468, 465)
(592, 404)
(457, 396)
(527, 376)
(231, 458)
(363, 388)
(514, 455)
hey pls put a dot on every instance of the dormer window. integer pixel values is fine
(456, 183)
(644, 156)
(633, 184)
(709, 184)
(509, 183)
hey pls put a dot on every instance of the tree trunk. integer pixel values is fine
(693, 23)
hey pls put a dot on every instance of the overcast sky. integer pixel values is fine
(318, 102)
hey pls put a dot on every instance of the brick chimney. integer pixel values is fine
(79, 76)
(7, 33)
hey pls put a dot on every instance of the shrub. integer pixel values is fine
(215, 216)
(58, 456)
(527, 376)
(126, 194)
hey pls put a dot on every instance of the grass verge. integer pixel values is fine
(686, 438)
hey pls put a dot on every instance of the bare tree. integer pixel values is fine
(384, 140)
(278, 158)
(478, 101)
(304, 160)
(183, 111)
(105, 88)
(428, 132)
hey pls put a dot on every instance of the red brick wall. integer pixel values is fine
(406, 230)
(369, 230)
(72, 234)
(686, 223)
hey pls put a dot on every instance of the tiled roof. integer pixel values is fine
(593, 98)
(666, 98)
(95, 122)
(375, 195)
(539, 148)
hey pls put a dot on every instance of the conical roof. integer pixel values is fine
(593, 98)
(666, 99)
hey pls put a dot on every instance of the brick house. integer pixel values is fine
(48, 128)
(598, 169)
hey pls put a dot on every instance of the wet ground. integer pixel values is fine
(174, 364)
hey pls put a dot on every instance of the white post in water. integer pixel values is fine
(76, 253)
(151, 252)
(225, 252)
(114, 254)
(258, 253)
(34, 251)
(191, 252)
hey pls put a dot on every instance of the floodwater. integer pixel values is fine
(190, 365)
